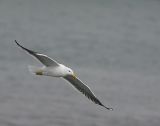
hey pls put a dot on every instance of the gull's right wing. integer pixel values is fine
(44, 59)
(79, 85)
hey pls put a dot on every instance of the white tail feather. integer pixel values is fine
(34, 69)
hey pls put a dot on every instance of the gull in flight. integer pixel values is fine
(54, 69)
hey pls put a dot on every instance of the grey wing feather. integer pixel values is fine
(47, 61)
(79, 85)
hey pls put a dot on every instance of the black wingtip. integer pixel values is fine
(111, 109)
(17, 43)
(99, 103)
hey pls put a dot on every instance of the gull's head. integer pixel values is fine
(69, 71)
(65, 71)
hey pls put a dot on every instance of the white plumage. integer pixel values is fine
(55, 69)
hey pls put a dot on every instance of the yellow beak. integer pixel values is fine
(74, 75)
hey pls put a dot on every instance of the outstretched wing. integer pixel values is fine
(79, 85)
(44, 59)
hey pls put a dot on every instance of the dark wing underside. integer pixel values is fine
(79, 85)
(45, 60)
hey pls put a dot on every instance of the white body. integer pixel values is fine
(52, 71)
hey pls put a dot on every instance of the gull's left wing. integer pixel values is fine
(79, 85)
(44, 59)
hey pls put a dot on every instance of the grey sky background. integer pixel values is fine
(113, 45)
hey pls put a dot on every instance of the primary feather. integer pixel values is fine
(44, 59)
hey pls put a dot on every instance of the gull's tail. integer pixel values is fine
(35, 70)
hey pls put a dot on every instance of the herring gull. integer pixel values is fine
(54, 69)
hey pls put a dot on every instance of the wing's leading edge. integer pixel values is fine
(44, 59)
